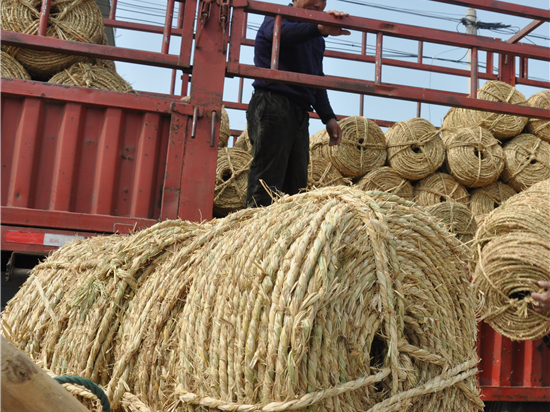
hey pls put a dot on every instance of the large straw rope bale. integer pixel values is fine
(92, 76)
(231, 180)
(268, 308)
(474, 157)
(385, 179)
(361, 150)
(456, 218)
(243, 142)
(502, 126)
(485, 199)
(77, 20)
(539, 127)
(439, 188)
(415, 149)
(10, 67)
(527, 161)
(512, 253)
(225, 131)
(322, 173)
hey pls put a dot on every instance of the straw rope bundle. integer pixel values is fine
(527, 161)
(415, 149)
(243, 142)
(385, 179)
(540, 127)
(456, 218)
(77, 20)
(231, 180)
(95, 77)
(322, 173)
(439, 188)
(512, 253)
(361, 150)
(485, 199)
(474, 157)
(10, 67)
(502, 126)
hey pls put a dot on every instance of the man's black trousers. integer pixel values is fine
(278, 129)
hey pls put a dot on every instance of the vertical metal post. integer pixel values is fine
(523, 67)
(167, 34)
(364, 53)
(44, 17)
(471, 28)
(474, 82)
(179, 26)
(276, 42)
(378, 61)
(112, 13)
(420, 60)
(489, 67)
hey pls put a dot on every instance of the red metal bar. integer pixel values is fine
(489, 63)
(185, 79)
(525, 31)
(112, 13)
(276, 42)
(190, 8)
(420, 60)
(473, 77)
(147, 28)
(507, 69)
(523, 67)
(364, 53)
(44, 17)
(237, 37)
(178, 26)
(378, 62)
(514, 9)
(167, 27)
(515, 394)
(530, 82)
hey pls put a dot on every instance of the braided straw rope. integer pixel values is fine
(527, 161)
(231, 180)
(439, 188)
(540, 127)
(322, 173)
(485, 199)
(512, 253)
(10, 67)
(502, 126)
(385, 179)
(362, 149)
(95, 77)
(456, 218)
(77, 20)
(474, 157)
(225, 131)
(81, 393)
(243, 142)
(415, 149)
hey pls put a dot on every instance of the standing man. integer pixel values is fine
(277, 115)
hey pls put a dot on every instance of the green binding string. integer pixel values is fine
(88, 384)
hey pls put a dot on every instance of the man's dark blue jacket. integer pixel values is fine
(301, 51)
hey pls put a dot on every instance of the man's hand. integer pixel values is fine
(331, 30)
(334, 131)
(542, 298)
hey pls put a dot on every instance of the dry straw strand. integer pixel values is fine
(415, 149)
(322, 173)
(231, 180)
(539, 127)
(92, 76)
(362, 149)
(485, 199)
(527, 161)
(10, 67)
(457, 218)
(438, 188)
(386, 179)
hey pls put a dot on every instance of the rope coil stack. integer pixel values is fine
(485, 199)
(337, 299)
(76, 20)
(96, 77)
(527, 161)
(322, 173)
(385, 179)
(457, 218)
(539, 127)
(231, 180)
(439, 188)
(12, 68)
(362, 149)
(415, 149)
(512, 253)
(474, 157)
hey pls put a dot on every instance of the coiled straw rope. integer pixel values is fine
(474, 157)
(540, 127)
(362, 149)
(512, 253)
(337, 299)
(10, 67)
(438, 188)
(322, 173)
(243, 142)
(527, 161)
(457, 218)
(77, 20)
(231, 180)
(385, 179)
(95, 77)
(502, 126)
(485, 199)
(415, 149)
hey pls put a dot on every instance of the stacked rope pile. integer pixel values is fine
(415, 149)
(527, 161)
(474, 157)
(385, 179)
(362, 149)
(457, 218)
(322, 173)
(77, 20)
(485, 199)
(268, 308)
(438, 188)
(231, 180)
(512, 253)
(11, 68)
(539, 127)
(92, 76)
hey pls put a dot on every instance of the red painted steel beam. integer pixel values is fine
(525, 31)
(403, 30)
(92, 50)
(147, 28)
(415, 94)
(515, 393)
(502, 7)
